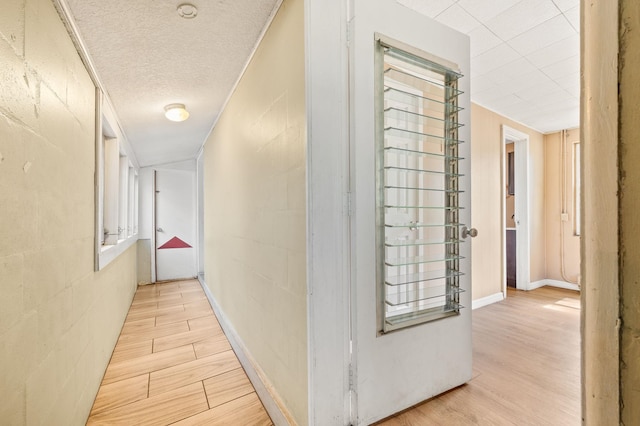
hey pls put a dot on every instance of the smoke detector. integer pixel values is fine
(187, 11)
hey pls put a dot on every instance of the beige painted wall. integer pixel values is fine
(255, 231)
(486, 200)
(144, 253)
(59, 320)
(556, 245)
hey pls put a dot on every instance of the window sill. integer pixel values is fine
(108, 253)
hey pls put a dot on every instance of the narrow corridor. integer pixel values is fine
(173, 365)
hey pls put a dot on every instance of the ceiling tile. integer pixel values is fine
(522, 17)
(512, 71)
(573, 16)
(570, 83)
(556, 52)
(488, 96)
(507, 102)
(563, 105)
(456, 18)
(485, 10)
(541, 90)
(563, 68)
(492, 59)
(548, 100)
(481, 83)
(543, 35)
(482, 40)
(565, 5)
(430, 8)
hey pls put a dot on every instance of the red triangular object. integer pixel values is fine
(175, 242)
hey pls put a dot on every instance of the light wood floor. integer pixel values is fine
(173, 365)
(526, 362)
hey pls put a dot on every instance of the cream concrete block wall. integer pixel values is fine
(556, 247)
(255, 217)
(58, 319)
(486, 169)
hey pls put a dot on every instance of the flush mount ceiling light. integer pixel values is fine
(187, 11)
(176, 112)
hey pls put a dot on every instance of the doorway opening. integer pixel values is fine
(515, 210)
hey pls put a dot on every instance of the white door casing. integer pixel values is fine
(396, 370)
(175, 224)
(523, 230)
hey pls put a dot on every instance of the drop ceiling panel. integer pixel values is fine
(486, 10)
(457, 18)
(540, 91)
(493, 59)
(482, 82)
(522, 17)
(563, 68)
(555, 52)
(571, 83)
(543, 35)
(482, 40)
(565, 5)
(512, 71)
(573, 16)
(430, 8)
(524, 56)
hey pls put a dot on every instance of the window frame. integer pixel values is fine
(110, 191)
(419, 314)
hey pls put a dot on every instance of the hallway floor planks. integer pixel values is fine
(526, 367)
(173, 365)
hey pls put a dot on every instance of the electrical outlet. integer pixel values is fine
(564, 217)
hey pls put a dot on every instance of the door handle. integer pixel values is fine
(466, 232)
(159, 230)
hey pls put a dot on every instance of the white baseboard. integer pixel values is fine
(276, 410)
(553, 283)
(488, 300)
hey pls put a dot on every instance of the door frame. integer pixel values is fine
(154, 258)
(188, 166)
(520, 142)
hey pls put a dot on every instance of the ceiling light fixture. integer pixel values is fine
(176, 112)
(187, 11)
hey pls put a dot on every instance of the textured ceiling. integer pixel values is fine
(525, 61)
(525, 56)
(147, 56)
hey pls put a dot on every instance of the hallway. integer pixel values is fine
(173, 365)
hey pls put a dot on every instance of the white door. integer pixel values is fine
(175, 224)
(410, 164)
